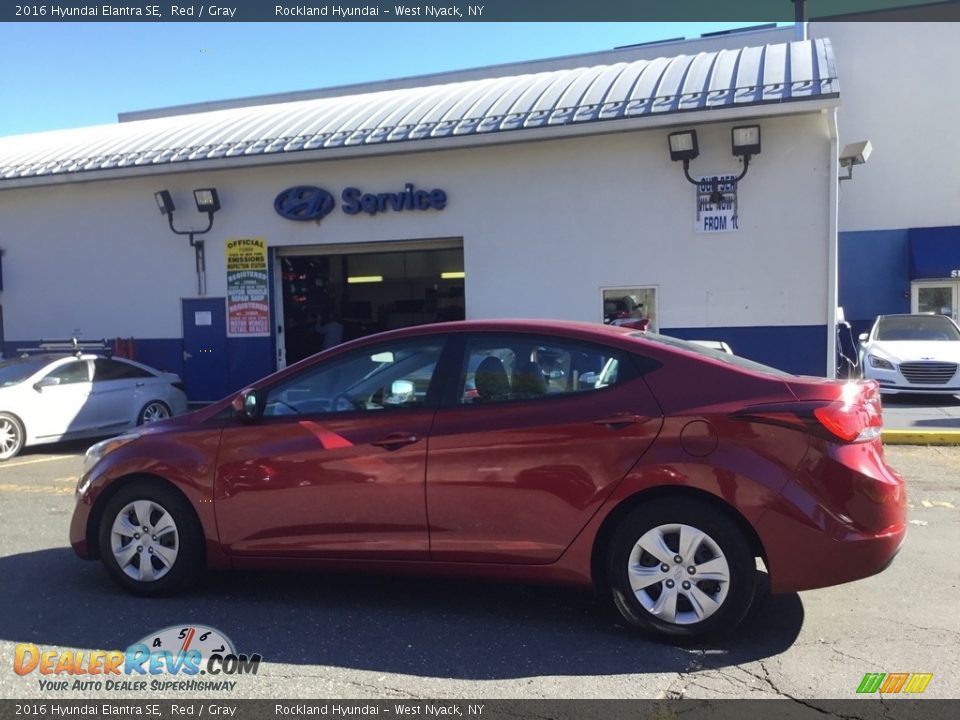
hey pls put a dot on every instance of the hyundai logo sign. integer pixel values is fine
(304, 202)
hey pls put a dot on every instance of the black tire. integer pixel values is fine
(150, 409)
(12, 436)
(721, 604)
(185, 544)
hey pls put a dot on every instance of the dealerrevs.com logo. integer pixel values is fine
(193, 658)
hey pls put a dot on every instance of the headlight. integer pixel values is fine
(96, 453)
(879, 362)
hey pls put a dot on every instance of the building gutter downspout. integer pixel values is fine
(833, 242)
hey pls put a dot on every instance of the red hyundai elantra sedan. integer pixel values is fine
(657, 470)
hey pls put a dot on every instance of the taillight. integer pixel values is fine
(179, 386)
(850, 423)
(855, 417)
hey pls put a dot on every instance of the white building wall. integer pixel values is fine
(545, 225)
(899, 91)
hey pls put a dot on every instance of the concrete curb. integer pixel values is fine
(921, 437)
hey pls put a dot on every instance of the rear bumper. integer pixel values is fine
(842, 518)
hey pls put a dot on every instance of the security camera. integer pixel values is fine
(855, 153)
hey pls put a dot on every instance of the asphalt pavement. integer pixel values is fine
(921, 412)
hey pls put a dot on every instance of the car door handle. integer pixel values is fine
(395, 441)
(615, 422)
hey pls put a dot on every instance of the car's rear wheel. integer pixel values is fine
(153, 411)
(11, 436)
(680, 569)
(150, 539)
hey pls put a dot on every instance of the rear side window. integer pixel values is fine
(504, 368)
(104, 370)
(727, 358)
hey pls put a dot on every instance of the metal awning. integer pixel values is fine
(603, 98)
(934, 253)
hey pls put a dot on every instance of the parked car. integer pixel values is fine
(718, 345)
(657, 470)
(60, 396)
(912, 354)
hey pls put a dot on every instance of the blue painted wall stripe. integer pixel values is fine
(799, 349)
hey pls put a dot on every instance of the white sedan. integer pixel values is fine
(51, 397)
(912, 354)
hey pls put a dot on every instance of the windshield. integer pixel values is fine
(711, 353)
(17, 370)
(916, 327)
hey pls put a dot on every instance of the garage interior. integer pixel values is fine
(367, 289)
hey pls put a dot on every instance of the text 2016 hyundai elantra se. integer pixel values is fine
(537, 451)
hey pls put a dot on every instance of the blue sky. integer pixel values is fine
(63, 75)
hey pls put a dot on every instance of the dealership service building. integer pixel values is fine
(544, 189)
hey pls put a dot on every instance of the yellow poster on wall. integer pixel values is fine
(248, 303)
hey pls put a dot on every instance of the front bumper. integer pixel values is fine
(78, 529)
(893, 381)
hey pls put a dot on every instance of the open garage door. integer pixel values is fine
(336, 293)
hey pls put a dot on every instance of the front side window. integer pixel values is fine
(73, 372)
(518, 367)
(382, 377)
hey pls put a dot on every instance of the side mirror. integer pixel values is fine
(46, 382)
(402, 391)
(246, 406)
(863, 337)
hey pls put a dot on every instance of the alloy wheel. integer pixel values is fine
(678, 573)
(11, 438)
(153, 412)
(144, 540)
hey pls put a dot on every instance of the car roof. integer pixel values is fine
(53, 357)
(913, 315)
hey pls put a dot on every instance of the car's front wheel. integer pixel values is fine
(150, 539)
(680, 569)
(11, 436)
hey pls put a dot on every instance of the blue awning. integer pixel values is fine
(934, 253)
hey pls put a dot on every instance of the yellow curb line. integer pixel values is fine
(921, 437)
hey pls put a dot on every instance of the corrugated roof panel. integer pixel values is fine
(747, 88)
(693, 95)
(791, 72)
(723, 79)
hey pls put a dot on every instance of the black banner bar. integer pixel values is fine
(793, 709)
(473, 11)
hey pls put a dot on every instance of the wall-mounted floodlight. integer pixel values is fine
(207, 202)
(745, 142)
(683, 146)
(165, 202)
(854, 154)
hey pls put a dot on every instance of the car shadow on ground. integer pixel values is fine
(938, 423)
(422, 627)
(905, 400)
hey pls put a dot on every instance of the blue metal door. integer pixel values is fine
(205, 348)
